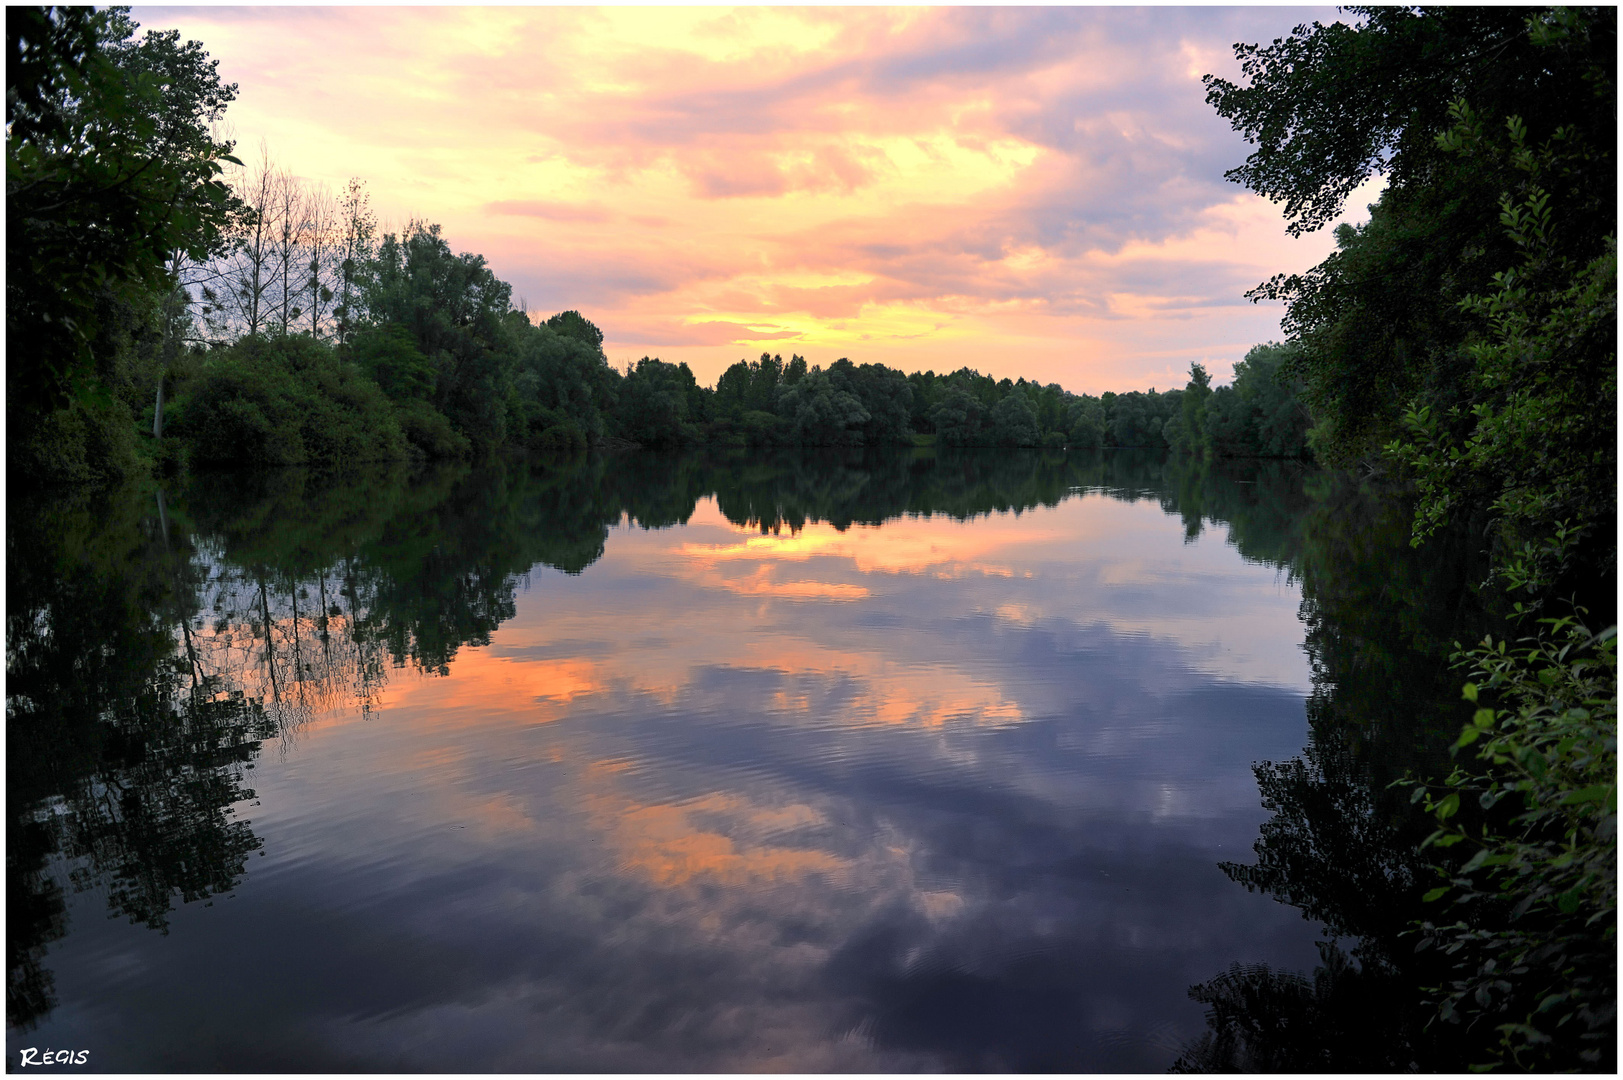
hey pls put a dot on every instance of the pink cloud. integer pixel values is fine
(552, 211)
(704, 333)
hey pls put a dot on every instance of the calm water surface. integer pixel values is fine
(660, 764)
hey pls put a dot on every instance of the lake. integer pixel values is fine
(846, 762)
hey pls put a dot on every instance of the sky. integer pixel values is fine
(1031, 192)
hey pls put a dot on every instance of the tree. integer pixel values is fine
(1495, 128)
(765, 376)
(1259, 415)
(1014, 422)
(357, 230)
(823, 412)
(1086, 422)
(1133, 420)
(288, 241)
(455, 309)
(1379, 322)
(654, 403)
(957, 417)
(1192, 408)
(1534, 433)
(573, 324)
(246, 273)
(1329, 106)
(319, 256)
(111, 168)
(884, 395)
(562, 379)
(732, 390)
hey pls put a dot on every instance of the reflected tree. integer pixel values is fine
(1381, 621)
(124, 760)
(1342, 1018)
(156, 642)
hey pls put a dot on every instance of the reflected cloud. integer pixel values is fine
(905, 546)
(941, 794)
(531, 691)
(678, 844)
(758, 585)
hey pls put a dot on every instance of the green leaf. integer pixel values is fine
(1435, 894)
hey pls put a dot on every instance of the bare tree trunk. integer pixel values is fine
(321, 214)
(290, 238)
(358, 229)
(247, 273)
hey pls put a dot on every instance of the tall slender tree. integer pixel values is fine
(320, 252)
(356, 242)
(248, 270)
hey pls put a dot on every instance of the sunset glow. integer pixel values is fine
(1029, 192)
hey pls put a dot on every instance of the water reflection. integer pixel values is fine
(878, 762)
(125, 757)
(1382, 621)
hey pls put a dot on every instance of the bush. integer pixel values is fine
(430, 433)
(84, 442)
(285, 402)
(559, 440)
(1536, 903)
(390, 357)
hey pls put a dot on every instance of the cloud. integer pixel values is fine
(716, 332)
(552, 211)
(991, 179)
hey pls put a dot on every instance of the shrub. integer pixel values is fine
(86, 441)
(559, 440)
(430, 433)
(1536, 903)
(283, 402)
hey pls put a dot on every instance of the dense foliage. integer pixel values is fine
(112, 179)
(1259, 415)
(1469, 327)
(1533, 911)
(1466, 337)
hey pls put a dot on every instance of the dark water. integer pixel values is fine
(658, 763)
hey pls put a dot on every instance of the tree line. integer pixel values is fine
(169, 303)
